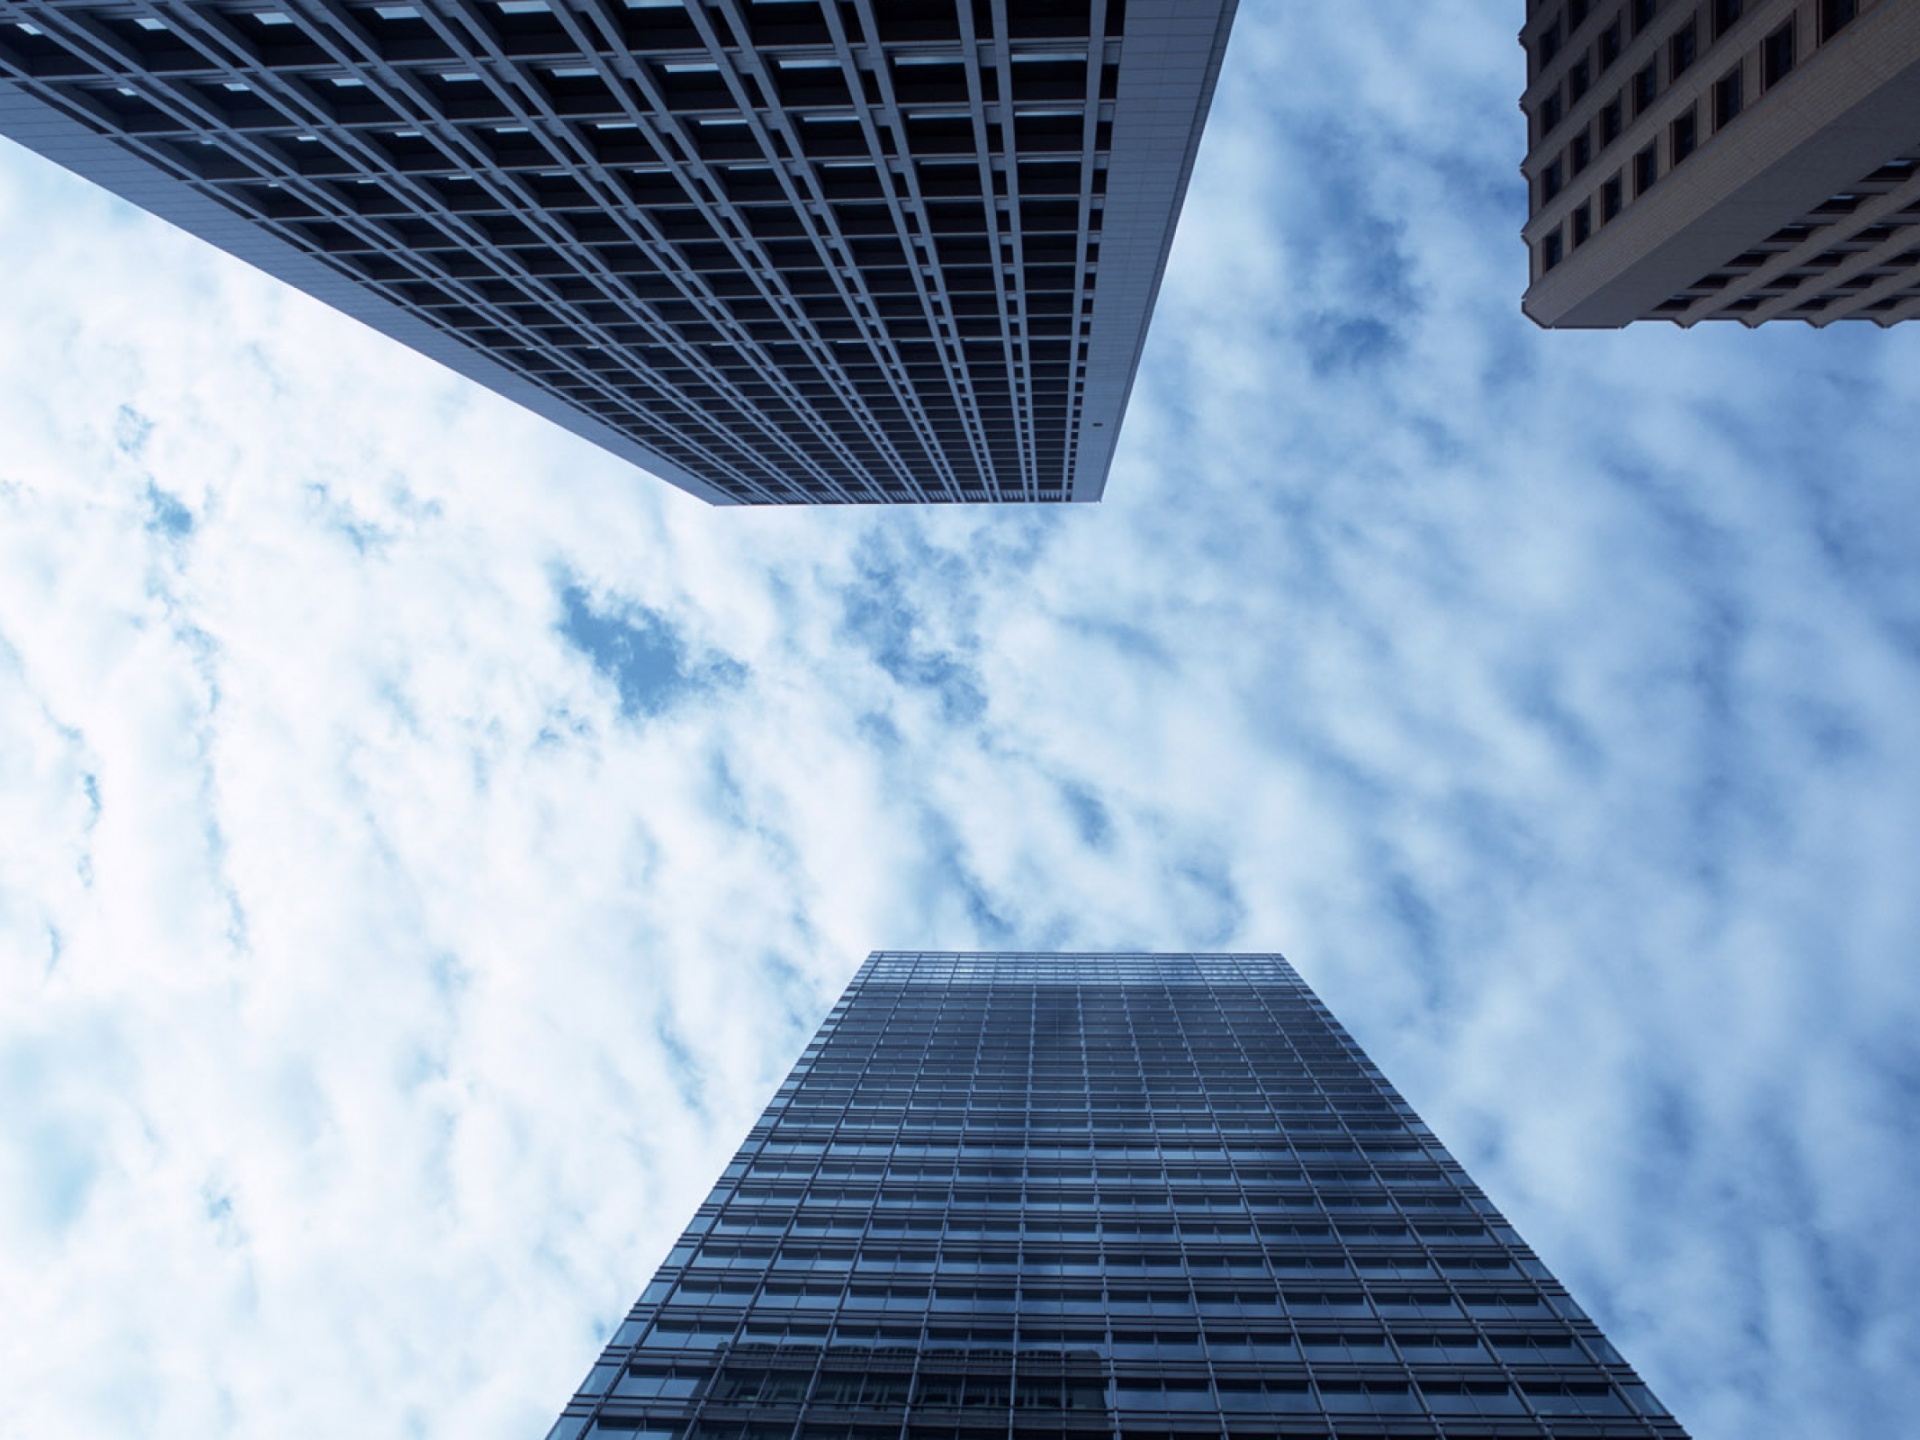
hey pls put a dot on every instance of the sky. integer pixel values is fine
(425, 840)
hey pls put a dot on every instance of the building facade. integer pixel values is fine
(1746, 160)
(1099, 1195)
(775, 251)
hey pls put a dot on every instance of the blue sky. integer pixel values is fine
(428, 840)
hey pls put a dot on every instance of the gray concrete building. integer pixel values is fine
(1746, 160)
(774, 251)
(1081, 1197)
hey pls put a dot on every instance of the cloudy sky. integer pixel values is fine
(424, 840)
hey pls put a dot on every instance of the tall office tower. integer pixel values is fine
(774, 251)
(1744, 160)
(1004, 1197)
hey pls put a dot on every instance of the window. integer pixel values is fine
(1610, 122)
(1611, 199)
(1579, 78)
(1646, 169)
(1726, 14)
(1550, 252)
(1549, 44)
(1470, 1397)
(1612, 41)
(1776, 55)
(1580, 153)
(1835, 15)
(1550, 113)
(1683, 49)
(1728, 97)
(1646, 86)
(1643, 14)
(1582, 225)
(1576, 14)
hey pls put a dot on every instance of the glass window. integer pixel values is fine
(1646, 169)
(1610, 122)
(1685, 134)
(1777, 55)
(1611, 43)
(1683, 49)
(1646, 87)
(1728, 98)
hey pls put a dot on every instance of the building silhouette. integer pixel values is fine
(775, 251)
(1744, 160)
(1009, 1195)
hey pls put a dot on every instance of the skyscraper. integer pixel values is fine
(775, 251)
(1744, 160)
(1099, 1195)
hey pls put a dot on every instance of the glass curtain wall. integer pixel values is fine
(1079, 1195)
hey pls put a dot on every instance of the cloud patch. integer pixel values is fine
(648, 661)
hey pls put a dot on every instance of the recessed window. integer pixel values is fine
(1685, 134)
(1611, 199)
(1646, 87)
(1611, 40)
(1683, 49)
(1576, 14)
(1580, 153)
(1579, 78)
(1729, 95)
(1582, 225)
(1551, 251)
(1643, 14)
(1646, 169)
(1553, 180)
(1550, 112)
(1549, 44)
(1777, 55)
(1836, 14)
(1610, 122)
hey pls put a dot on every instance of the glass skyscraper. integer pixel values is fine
(774, 251)
(1015, 1195)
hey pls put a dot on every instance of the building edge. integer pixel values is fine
(56, 136)
(1145, 180)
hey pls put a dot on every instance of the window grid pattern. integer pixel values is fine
(1622, 95)
(1059, 1196)
(805, 252)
